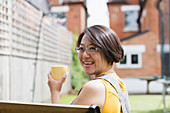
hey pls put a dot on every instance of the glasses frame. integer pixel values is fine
(86, 50)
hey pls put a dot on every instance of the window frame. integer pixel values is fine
(129, 51)
(126, 8)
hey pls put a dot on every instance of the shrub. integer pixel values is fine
(78, 76)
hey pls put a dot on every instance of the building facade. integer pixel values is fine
(139, 27)
(76, 14)
(137, 24)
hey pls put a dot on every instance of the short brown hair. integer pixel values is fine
(106, 40)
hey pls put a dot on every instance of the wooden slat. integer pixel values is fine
(16, 107)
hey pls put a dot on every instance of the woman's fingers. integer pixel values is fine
(55, 85)
(50, 79)
(49, 75)
(61, 80)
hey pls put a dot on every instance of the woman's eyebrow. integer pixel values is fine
(81, 44)
(92, 44)
(88, 45)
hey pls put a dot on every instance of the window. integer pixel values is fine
(58, 15)
(123, 60)
(131, 16)
(132, 58)
(131, 21)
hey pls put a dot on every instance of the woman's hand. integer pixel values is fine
(55, 87)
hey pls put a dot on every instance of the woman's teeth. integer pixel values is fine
(88, 63)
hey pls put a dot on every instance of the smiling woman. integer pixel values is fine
(98, 47)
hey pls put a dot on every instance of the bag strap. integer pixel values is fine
(123, 99)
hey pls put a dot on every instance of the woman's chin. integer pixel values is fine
(88, 73)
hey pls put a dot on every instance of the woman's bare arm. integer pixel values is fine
(93, 92)
(55, 88)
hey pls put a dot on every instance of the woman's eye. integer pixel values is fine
(92, 48)
(81, 49)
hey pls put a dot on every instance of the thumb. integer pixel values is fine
(64, 78)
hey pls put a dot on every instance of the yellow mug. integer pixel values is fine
(58, 71)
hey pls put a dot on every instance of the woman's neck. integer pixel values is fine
(108, 69)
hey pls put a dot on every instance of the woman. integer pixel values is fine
(98, 48)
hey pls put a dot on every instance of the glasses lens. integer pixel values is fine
(79, 50)
(89, 50)
(92, 50)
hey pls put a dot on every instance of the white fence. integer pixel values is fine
(29, 44)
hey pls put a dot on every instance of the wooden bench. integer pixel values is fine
(21, 107)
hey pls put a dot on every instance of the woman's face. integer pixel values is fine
(94, 63)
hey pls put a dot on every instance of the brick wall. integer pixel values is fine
(164, 7)
(54, 2)
(76, 21)
(151, 63)
(76, 16)
(151, 59)
(117, 20)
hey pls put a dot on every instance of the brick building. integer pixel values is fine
(138, 25)
(76, 15)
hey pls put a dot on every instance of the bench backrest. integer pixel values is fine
(21, 107)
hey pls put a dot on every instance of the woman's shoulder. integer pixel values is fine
(93, 92)
(94, 85)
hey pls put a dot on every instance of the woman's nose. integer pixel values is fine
(86, 55)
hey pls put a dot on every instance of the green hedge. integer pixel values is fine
(78, 76)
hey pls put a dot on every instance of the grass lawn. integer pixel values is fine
(148, 103)
(138, 103)
(67, 99)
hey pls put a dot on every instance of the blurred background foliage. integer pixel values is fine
(78, 76)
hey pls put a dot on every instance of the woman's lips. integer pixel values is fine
(87, 63)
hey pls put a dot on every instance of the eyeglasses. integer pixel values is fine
(89, 50)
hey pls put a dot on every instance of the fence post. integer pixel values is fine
(10, 44)
(36, 57)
